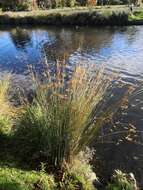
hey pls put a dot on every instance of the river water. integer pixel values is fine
(120, 49)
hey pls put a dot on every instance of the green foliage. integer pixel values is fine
(16, 179)
(12, 178)
(16, 5)
(70, 3)
(138, 15)
(122, 181)
(23, 7)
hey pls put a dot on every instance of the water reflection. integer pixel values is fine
(67, 42)
(20, 38)
(119, 48)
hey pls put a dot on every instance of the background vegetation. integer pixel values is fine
(25, 5)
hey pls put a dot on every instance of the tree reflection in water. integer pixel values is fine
(20, 38)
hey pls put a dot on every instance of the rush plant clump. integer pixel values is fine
(65, 114)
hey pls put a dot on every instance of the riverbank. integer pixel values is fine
(81, 16)
(32, 137)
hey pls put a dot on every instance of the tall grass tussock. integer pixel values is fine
(64, 116)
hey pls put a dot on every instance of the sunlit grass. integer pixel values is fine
(137, 15)
(16, 179)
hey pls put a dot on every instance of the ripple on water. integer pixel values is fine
(119, 49)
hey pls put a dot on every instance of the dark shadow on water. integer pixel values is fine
(20, 38)
(120, 142)
(127, 156)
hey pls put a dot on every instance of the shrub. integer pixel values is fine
(122, 181)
